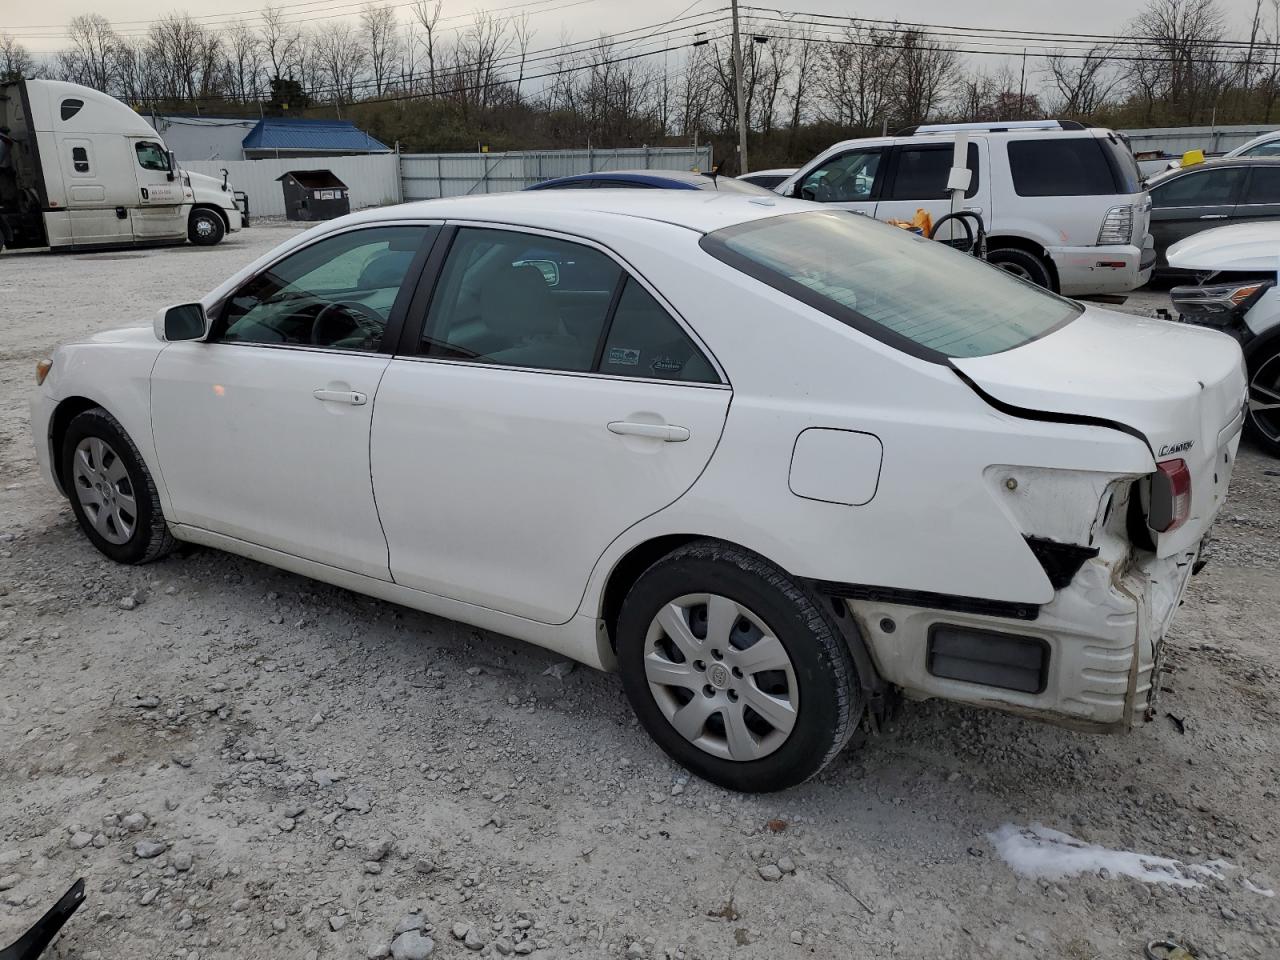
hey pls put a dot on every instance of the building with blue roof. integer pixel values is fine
(245, 138)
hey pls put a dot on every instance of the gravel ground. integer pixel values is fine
(247, 764)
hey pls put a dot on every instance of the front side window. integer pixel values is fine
(1270, 148)
(151, 156)
(80, 159)
(844, 179)
(524, 300)
(914, 294)
(1062, 167)
(337, 293)
(1201, 188)
(922, 172)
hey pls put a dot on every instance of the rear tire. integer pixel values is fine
(111, 490)
(205, 228)
(760, 680)
(1022, 264)
(1264, 388)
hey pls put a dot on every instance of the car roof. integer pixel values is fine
(672, 179)
(773, 172)
(702, 211)
(947, 136)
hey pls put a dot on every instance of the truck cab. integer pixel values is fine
(80, 170)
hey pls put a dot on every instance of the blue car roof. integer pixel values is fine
(666, 179)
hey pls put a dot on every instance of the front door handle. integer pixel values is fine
(353, 397)
(1213, 216)
(657, 431)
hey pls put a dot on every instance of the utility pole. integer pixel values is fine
(737, 83)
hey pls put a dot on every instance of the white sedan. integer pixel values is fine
(772, 463)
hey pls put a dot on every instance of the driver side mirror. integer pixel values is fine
(186, 321)
(173, 163)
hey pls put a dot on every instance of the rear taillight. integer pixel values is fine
(1170, 496)
(1117, 226)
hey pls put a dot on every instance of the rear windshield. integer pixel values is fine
(1063, 167)
(915, 294)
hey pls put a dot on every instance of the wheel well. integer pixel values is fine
(1027, 246)
(627, 571)
(222, 214)
(63, 414)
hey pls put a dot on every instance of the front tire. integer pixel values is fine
(1263, 419)
(111, 490)
(736, 670)
(1022, 264)
(205, 228)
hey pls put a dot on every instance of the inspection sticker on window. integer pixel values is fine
(666, 365)
(623, 356)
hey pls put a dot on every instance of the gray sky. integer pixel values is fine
(584, 20)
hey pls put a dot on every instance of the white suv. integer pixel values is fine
(1063, 205)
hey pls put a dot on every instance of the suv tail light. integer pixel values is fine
(1117, 226)
(1170, 496)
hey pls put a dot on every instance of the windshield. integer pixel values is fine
(912, 293)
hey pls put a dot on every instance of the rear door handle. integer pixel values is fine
(657, 431)
(353, 397)
(1213, 216)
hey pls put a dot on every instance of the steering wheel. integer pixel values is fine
(343, 319)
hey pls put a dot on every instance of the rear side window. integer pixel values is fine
(70, 108)
(921, 172)
(1264, 186)
(644, 341)
(80, 159)
(1062, 167)
(914, 294)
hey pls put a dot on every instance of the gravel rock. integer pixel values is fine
(412, 922)
(412, 945)
(473, 940)
(79, 840)
(9, 881)
(337, 922)
(460, 930)
(149, 849)
(635, 951)
(770, 871)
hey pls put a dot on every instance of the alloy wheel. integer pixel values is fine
(1017, 270)
(721, 677)
(1264, 398)
(105, 492)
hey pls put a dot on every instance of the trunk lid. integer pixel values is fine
(1181, 388)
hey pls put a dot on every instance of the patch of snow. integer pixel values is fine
(1253, 888)
(1038, 851)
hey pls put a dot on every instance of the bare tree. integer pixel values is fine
(91, 58)
(427, 13)
(243, 62)
(280, 41)
(523, 35)
(15, 60)
(1180, 62)
(924, 71)
(382, 44)
(1083, 82)
(342, 57)
(855, 76)
(805, 62)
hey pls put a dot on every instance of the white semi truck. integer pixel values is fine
(80, 170)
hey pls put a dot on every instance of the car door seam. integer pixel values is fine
(373, 486)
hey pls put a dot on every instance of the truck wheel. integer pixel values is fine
(1022, 264)
(111, 490)
(205, 228)
(1263, 420)
(736, 670)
